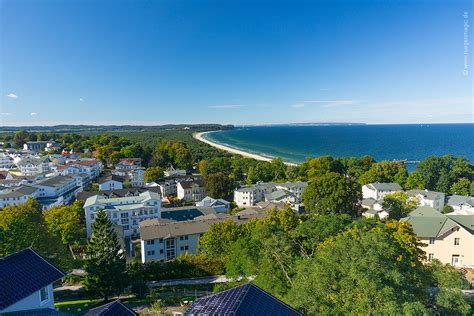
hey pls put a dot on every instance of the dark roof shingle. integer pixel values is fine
(247, 299)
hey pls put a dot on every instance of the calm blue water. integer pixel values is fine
(383, 142)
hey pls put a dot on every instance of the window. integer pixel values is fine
(161, 241)
(430, 257)
(181, 248)
(186, 247)
(150, 253)
(185, 237)
(181, 238)
(432, 241)
(44, 294)
(161, 251)
(150, 242)
(456, 241)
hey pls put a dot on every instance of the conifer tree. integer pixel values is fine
(105, 264)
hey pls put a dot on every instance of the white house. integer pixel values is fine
(137, 178)
(448, 238)
(16, 196)
(429, 198)
(89, 166)
(270, 192)
(219, 205)
(126, 212)
(460, 202)
(26, 283)
(112, 182)
(172, 172)
(127, 164)
(57, 190)
(33, 165)
(6, 162)
(191, 190)
(378, 190)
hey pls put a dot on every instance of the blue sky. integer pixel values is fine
(241, 62)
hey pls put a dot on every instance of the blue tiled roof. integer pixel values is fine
(115, 308)
(23, 273)
(247, 299)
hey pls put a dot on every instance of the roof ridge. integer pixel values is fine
(54, 266)
(268, 295)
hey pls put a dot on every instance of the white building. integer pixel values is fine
(26, 284)
(6, 162)
(127, 164)
(378, 190)
(89, 166)
(16, 196)
(191, 190)
(429, 198)
(34, 165)
(137, 178)
(271, 192)
(112, 182)
(460, 202)
(57, 190)
(164, 240)
(38, 146)
(172, 172)
(219, 205)
(126, 212)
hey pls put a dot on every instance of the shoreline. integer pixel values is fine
(235, 151)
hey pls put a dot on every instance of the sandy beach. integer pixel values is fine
(199, 136)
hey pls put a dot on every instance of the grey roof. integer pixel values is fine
(19, 192)
(379, 186)
(31, 160)
(122, 203)
(277, 195)
(430, 223)
(246, 299)
(431, 195)
(56, 181)
(368, 202)
(22, 274)
(154, 229)
(189, 184)
(296, 184)
(82, 196)
(258, 186)
(457, 200)
(111, 177)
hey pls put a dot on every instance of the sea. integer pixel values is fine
(295, 143)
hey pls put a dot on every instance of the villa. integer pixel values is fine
(16, 196)
(193, 190)
(429, 198)
(448, 238)
(378, 191)
(270, 192)
(57, 190)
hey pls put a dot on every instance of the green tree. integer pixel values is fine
(20, 138)
(461, 187)
(414, 181)
(251, 178)
(319, 166)
(447, 209)
(263, 171)
(66, 222)
(105, 263)
(279, 169)
(153, 174)
(355, 273)
(332, 193)
(398, 205)
(385, 171)
(218, 185)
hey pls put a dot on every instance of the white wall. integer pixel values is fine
(32, 302)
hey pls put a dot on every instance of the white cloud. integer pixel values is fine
(226, 106)
(5, 114)
(81, 99)
(33, 113)
(12, 96)
(324, 103)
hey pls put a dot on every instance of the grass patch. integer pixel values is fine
(77, 306)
